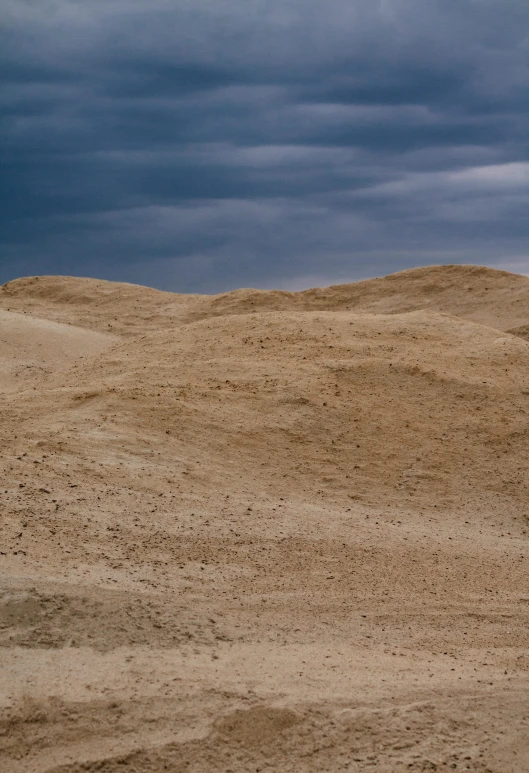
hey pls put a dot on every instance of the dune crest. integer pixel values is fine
(496, 298)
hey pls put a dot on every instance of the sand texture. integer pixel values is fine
(265, 531)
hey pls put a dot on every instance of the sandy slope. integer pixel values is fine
(264, 530)
(31, 348)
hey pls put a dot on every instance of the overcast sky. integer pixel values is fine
(202, 145)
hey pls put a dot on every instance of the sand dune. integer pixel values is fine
(32, 348)
(265, 530)
(487, 296)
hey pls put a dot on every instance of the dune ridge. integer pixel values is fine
(265, 530)
(488, 296)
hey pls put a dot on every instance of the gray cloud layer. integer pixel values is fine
(199, 146)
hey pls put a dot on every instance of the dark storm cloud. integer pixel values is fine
(201, 146)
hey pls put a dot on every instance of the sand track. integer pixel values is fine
(265, 530)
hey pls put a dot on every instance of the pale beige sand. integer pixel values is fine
(265, 531)
(32, 347)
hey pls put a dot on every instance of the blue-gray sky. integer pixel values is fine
(199, 146)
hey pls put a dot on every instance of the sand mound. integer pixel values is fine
(32, 348)
(496, 298)
(265, 530)
(95, 304)
(389, 407)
